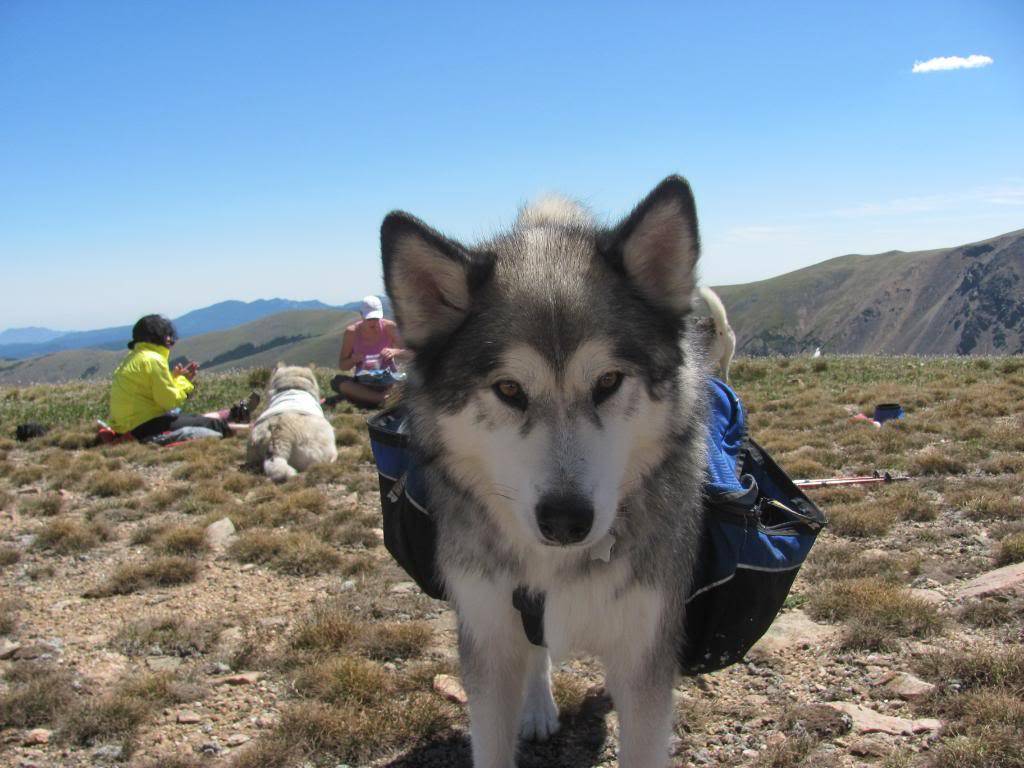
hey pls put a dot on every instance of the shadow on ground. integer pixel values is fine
(579, 744)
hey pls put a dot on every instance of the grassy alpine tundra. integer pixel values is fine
(131, 632)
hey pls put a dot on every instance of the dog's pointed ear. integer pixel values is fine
(657, 246)
(428, 277)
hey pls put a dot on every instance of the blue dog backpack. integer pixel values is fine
(758, 529)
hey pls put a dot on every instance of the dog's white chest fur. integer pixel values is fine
(597, 617)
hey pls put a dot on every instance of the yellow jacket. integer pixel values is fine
(144, 387)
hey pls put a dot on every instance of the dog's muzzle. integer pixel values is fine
(564, 518)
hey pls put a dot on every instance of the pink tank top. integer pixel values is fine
(370, 351)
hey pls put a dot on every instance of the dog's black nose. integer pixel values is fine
(564, 518)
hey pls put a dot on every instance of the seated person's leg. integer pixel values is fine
(170, 422)
(360, 394)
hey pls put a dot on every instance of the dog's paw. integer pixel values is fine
(540, 718)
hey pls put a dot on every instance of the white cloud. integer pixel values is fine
(940, 63)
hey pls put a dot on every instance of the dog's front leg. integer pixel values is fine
(493, 653)
(540, 714)
(643, 699)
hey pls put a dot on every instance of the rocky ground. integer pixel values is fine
(139, 628)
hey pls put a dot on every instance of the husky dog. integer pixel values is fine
(291, 434)
(557, 409)
(720, 338)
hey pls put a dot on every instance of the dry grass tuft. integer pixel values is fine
(166, 635)
(45, 505)
(329, 628)
(117, 483)
(347, 436)
(836, 559)
(66, 536)
(979, 666)
(991, 612)
(36, 695)
(345, 680)
(794, 752)
(1011, 550)
(298, 554)
(9, 555)
(393, 640)
(935, 461)
(867, 519)
(874, 610)
(8, 616)
(180, 540)
(120, 713)
(352, 734)
(161, 572)
(981, 697)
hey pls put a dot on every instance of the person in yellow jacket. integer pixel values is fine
(146, 395)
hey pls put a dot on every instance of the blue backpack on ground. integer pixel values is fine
(758, 529)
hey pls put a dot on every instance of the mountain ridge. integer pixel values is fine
(967, 299)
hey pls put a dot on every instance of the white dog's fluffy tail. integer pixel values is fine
(716, 308)
(277, 469)
(276, 465)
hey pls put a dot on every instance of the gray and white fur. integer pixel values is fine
(291, 433)
(557, 405)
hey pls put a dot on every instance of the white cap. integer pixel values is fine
(372, 309)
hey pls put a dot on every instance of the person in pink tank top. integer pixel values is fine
(372, 343)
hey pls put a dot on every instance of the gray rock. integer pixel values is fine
(791, 630)
(108, 752)
(163, 663)
(220, 534)
(34, 651)
(868, 721)
(8, 648)
(998, 582)
(906, 686)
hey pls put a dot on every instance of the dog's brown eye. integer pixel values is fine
(606, 386)
(511, 393)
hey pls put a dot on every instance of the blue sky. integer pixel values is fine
(161, 156)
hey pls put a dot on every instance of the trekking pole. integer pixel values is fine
(871, 479)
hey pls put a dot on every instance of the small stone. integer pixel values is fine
(266, 721)
(248, 567)
(933, 596)
(36, 736)
(378, 532)
(236, 739)
(403, 588)
(791, 630)
(347, 585)
(108, 752)
(163, 663)
(819, 719)
(220, 534)
(34, 651)
(751, 753)
(870, 746)
(450, 688)
(187, 717)
(242, 678)
(868, 721)
(906, 686)
(8, 648)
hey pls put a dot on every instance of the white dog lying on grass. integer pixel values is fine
(291, 434)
